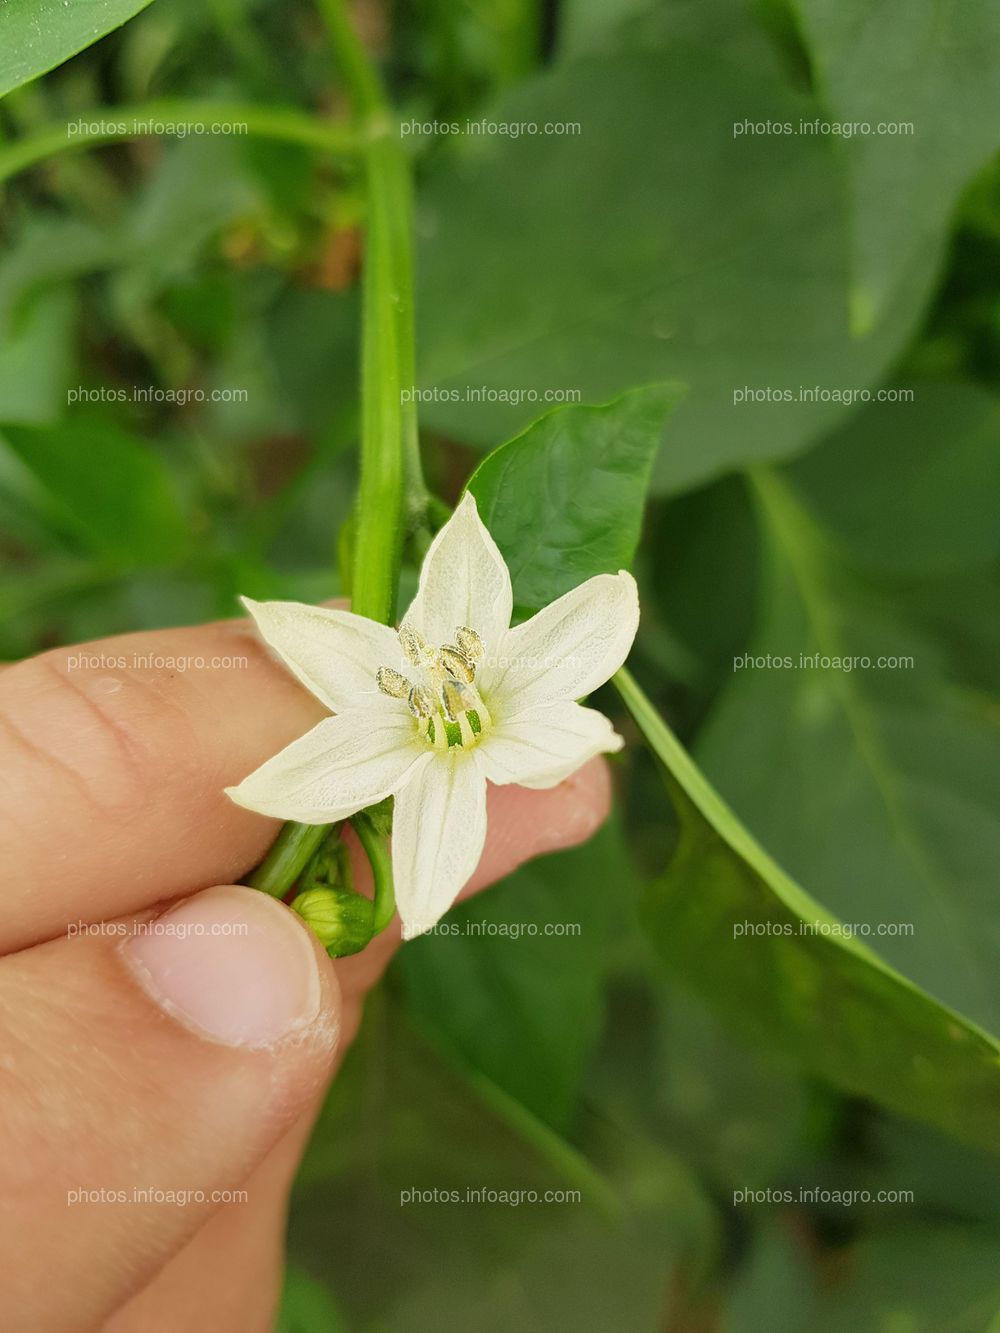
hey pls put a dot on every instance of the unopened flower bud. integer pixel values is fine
(341, 920)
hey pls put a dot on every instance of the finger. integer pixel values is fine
(168, 1060)
(112, 768)
(228, 1277)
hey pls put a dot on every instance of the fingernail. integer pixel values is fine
(231, 963)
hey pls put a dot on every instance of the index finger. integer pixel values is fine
(113, 760)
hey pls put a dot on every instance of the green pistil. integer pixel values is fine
(466, 731)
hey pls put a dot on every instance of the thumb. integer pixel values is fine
(149, 1068)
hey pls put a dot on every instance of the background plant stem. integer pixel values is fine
(284, 124)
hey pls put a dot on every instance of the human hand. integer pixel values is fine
(169, 1058)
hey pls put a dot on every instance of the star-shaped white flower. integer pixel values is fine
(431, 712)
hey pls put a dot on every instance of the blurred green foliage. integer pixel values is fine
(178, 410)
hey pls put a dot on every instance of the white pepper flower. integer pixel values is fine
(432, 712)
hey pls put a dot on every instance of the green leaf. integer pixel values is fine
(731, 26)
(310, 341)
(934, 64)
(930, 475)
(667, 1067)
(948, 1179)
(37, 35)
(878, 786)
(654, 244)
(307, 1306)
(698, 575)
(924, 1278)
(515, 1000)
(48, 252)
(200, 185)
(103, 486)
(772, 1288)
(728, 917)
(564, 499)
(35, 358)
(924, 1275)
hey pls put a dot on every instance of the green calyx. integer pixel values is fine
(342, 920)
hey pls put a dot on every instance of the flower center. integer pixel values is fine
(444, 699)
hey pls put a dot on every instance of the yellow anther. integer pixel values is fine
(457, 664)
(412, 644)
(470, 643)
(392, 683)
(421, 702)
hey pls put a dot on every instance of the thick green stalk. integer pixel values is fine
(116, 124)
(391, 494)
(417, 497)
(392, 497)
(380, 517)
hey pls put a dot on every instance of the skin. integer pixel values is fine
(111, 807)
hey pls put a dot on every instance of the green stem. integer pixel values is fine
(115, 124)
(379, 539)
(376, 847)
(391, 493)
(417, 495)
(362, 81)
(658, 736)
(289, 855)
(699, 799)
(392, 497)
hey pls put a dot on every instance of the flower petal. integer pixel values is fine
(545, 744)
(344, 764)
(463, 581)
(335, 654)
(567, 649)
(438, 831)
